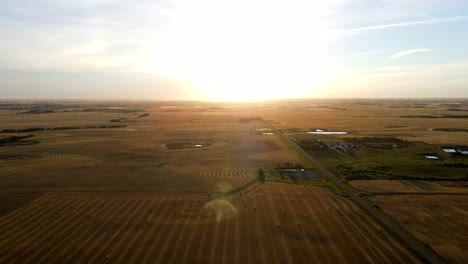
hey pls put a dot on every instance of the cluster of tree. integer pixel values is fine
(369, 173)
(457, 110)
(111, 110)
(143, 115)
(17, 140)
(331, 107)
(379, 142)
(407, 106)
(290, 130)
(408, 177)
(111, 126)
(288, 165)
(180, 145)
(434, 116)
(376, 140)
(456, 165)
(38, 111)
(119, 120)
(34, 129)
(451, 129)
(261, 175)
(459, 147)
(309, 144)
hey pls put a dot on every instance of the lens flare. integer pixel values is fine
(222, 209)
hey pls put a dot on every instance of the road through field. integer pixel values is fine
(413, 244)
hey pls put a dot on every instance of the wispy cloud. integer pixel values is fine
(408, 52)
(389, 69)
(406, 24)
(359, 54)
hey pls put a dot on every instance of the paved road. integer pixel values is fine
(384, 221)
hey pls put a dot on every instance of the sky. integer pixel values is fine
(233, 50)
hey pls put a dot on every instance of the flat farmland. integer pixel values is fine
(270, 223)
(177, 182)
(138, 160)
(437, 220)
(122, 160)
(373, 118)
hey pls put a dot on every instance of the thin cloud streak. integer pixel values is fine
(406, 24)
(408, 52)
(358, 54)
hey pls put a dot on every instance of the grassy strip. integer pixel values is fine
(307, 165)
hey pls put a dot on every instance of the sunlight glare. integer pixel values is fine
(227, 52)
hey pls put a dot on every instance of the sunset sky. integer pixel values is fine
(233, 50)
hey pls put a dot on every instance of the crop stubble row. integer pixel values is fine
(279, 156)
(217, 177)
(270, 223)
(437, 220)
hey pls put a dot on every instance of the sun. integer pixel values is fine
(253, 58)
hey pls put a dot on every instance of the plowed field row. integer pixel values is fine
(280, 156)
(219, 178)
(271, 223)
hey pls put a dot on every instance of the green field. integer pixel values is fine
(385, 158)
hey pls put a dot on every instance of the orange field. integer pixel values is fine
(271, 223)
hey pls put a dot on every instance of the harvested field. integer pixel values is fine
(135, 161)
(12, 200)
(105, 194)
(280, 156)
(410, 186)
(437, 220)
(218, 178)
(271, 223)
(375, 119)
